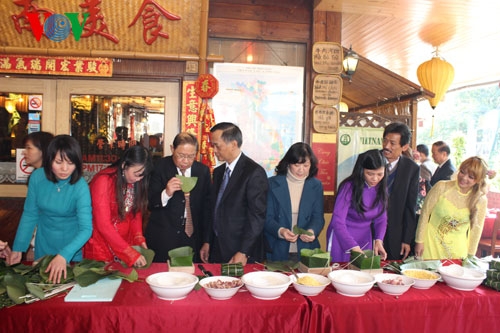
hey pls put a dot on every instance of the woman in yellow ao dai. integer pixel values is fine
(452, 217)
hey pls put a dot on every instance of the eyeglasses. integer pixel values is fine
(185, 157)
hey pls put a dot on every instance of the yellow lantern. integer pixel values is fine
(436, 75)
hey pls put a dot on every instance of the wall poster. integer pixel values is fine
(352, 141)
(266, 102)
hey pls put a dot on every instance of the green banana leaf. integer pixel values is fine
(15, 285)
(147, 253)
(87, 276)
(366, 261)
(281, 266)
(181, 256)
(430, 265)
(35, 290)
(188, 183)
(299, 231)
(315, 258)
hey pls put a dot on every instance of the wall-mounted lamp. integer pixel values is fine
(350, 64)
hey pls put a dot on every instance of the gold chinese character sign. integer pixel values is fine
(325, 119)
(327, 58)
(327, 89)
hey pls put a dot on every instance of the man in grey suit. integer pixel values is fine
(441, 155)
(402, 184)
(239, 199)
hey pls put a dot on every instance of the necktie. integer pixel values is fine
(222, 188)
(188, 226)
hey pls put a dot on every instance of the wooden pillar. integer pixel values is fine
(202, 63)
(327, 27)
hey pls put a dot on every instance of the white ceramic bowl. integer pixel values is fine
(220, 293)
(461, 278)
(310, 290)
(266, 285)
(385, 281)
(423, 278)
(172, 286)
(351, 283)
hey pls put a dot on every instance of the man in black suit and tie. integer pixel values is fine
(402, 184)
(169, 226)
(239, 199)
(441, 155)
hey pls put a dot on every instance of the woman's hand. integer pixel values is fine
(4, 250)
(419, 250)
(378, 249)
(288, 235)
(306, 238)
(143, 245)
(357, 249)
(14, 258)
(140, 262)
(57, 269)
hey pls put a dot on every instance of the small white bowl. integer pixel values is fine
(172, 286)
(350, 282)
(220, 293)
(310, 290)
(266, 285)
(384, 279)
(416, 274)
(461, 278)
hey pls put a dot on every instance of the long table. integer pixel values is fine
(438, 309)
(136, 308)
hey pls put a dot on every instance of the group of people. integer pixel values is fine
(377, 206)
(240, 215)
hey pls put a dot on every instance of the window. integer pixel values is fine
(107, 125)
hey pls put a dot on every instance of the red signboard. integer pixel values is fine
(77, 66)
(326, 152)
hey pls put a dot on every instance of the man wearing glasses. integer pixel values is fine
(173, 223)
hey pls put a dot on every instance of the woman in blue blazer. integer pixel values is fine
(295, 197)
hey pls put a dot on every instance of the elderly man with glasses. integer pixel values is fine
(177, 218)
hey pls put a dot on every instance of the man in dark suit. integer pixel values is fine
(441, 155)
(402, 184)
(240, 212)
(166, 229)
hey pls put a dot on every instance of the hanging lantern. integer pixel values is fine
(436, 75)
(206, 86)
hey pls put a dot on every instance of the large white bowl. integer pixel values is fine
(220, 293)
(423, 278)
(266, 285)
(350, 282)
(310, 290)
(461, 278)
(172, 286)
(393, 289)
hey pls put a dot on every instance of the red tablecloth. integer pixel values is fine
(439, 309)
(136, 308)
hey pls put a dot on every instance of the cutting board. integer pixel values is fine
(103, 290)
